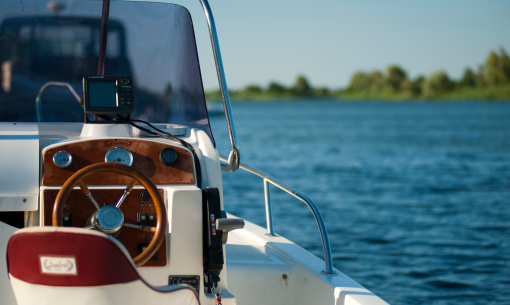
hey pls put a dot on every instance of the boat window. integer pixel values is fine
(58, 41)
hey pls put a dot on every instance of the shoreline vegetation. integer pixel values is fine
(491, 81)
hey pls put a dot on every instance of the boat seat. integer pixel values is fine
(57, 265)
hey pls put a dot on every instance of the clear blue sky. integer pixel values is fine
(326, 40)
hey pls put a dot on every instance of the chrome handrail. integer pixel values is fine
(234, 157)
(315, 211)
(41, 91)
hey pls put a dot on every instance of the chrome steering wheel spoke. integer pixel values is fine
(128, 189)
(141, 228)
(93, 200)
(86, 191)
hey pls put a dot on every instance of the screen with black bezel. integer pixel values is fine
(108, 94)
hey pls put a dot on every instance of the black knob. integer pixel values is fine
(145, 195)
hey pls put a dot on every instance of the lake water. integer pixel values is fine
(415, 195)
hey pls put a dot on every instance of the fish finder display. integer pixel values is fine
(102, 94)
(108, 94)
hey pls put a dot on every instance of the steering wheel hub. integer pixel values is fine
(108, 219)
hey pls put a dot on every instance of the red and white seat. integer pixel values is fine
(56, 265)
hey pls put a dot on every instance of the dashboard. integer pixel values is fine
(162, 163)
(147, 156)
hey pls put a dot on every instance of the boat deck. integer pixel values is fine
(274, 270)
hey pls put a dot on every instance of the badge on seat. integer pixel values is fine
(63, 265)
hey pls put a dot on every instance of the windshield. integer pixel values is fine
(57, 41)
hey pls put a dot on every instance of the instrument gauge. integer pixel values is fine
(120, 155)
(62, 159)
(168, 156)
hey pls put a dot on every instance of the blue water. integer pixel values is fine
(415, 196)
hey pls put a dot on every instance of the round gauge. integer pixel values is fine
(168, 156)
(62, 159)
(120, 155)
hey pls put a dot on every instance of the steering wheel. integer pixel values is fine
(109, 219)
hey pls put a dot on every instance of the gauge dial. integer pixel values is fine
(62, 159)
(120, 155)
(168, 156)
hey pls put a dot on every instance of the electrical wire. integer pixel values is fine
(161, 134)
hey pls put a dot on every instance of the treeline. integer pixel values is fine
(489, 77)
(301, 88)
(490, 81)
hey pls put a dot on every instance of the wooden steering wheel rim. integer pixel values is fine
(161, 217)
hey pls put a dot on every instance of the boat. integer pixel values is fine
(110, 181)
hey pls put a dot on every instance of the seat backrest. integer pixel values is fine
(56, 256)
(56, 265)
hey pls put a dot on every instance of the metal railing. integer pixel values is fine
(315, 211)
(43, 88)
(234, 157)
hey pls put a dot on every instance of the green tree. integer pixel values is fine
(377, 81)
(413, 88)
(360, 81)
(436, 84)
(276, 88)
(480, 77)
(321, 92)
(504, 61)
(497, 68)
(417, 87)
(252, 89)
(468, 79)
(302, 87)
(492, 75)
(396, 76)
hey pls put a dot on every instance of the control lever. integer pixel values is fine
(226, 225)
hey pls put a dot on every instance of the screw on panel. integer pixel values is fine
(142, 205)
(24, 199)
(143, 236)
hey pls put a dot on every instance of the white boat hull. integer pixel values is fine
(273, 270)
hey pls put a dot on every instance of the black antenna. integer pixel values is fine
(102, 43)
(104, 34)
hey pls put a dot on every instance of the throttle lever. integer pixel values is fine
(228, 224)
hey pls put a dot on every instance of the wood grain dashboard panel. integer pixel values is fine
(81, 208)
(145, 158)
